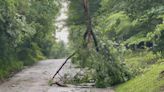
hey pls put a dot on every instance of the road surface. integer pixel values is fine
(36, 78)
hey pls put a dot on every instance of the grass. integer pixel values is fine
(6, 70)
(12, 64)
(141, 61)
(150, 81)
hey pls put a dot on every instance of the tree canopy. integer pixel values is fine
(26, 28)
(121, 26)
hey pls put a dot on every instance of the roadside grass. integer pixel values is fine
(7, 70)
(12, 65)
(141, 61)
(150, 81)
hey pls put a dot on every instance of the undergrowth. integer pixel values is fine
(150, 81)
(147, 68)
(10, 68)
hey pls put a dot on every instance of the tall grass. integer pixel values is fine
(151, 81)
(9, 68)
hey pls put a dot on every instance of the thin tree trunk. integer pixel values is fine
(89, 32)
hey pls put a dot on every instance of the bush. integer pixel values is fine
(108, 65)
(110, 72)
(58, 50)
(30, 55)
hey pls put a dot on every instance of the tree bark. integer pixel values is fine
(89, 32)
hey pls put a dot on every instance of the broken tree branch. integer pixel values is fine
(63, 65)
(88, 36)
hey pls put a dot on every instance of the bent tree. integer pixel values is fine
(105, 62)
(88, 36)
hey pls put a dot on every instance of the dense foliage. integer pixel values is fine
(130, 37)
(26, 28)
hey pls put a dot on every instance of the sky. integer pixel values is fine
(62, 30)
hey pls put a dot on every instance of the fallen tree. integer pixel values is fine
(88, 36)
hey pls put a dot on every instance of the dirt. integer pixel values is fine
(36, 78)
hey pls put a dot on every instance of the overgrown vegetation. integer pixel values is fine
(151, 81)
(26, 28)
(130, 37)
